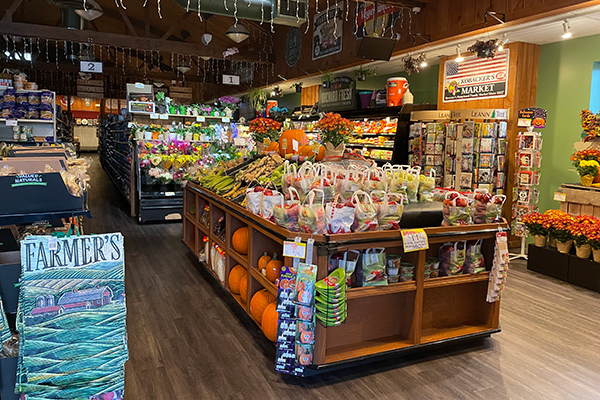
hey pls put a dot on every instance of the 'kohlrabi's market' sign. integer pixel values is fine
(476, 78)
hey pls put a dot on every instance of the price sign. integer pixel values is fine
(200, 119)
(294, 145)
(153, 116)
(560, 196)
(169, 194)
(164, 116)
(294, 249)
(414, 239)
(239, 141)
(225, 119)
(11, 122)
(91, 66)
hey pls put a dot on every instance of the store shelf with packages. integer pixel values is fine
(407, 316)
(14, 124)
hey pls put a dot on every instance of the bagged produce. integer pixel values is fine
(373, 268)
(456, 210)
(288, 175)
(398, 182)
(474, 261)
(412, 184)
(325, 183)
(452, 258)
(304, 179)
(254, 197)
(375, 180)
(426, 187)
(348, 183)
(311, 217)
(389, 211)
(287, 211)
(271, 197)
(494, 209)
(340, 215)
(365, 217)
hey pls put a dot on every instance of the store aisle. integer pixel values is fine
(186, 343)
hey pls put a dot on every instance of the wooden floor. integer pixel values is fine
(187, 343)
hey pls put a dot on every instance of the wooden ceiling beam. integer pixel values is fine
(147, 20)
(114, 39)
(127, 22)
(176, 25)
(151, 31)
(10, 11)
(399, 3)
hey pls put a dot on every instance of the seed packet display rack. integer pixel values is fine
(382, 321)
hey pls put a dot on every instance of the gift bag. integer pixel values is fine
(304, 179)
(286, 213)
(271, 197)
(412, 184)
(340, 216)
(373, 268)
(365, 217)
(452, 258)
(254, 197)
(375, 180)
(288, 176)
(426, 187)
(311, 217)
(456, 210)
(474, 261)
(389, 211)
(348, 183)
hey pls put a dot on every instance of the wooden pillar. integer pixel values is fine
(521, 93)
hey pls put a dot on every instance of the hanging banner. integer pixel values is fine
(386, 16)
(327, 32)
(476, 78)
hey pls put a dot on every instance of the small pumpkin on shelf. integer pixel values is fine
(244, 287)
(259, 302)
(262, 263)
(306, 151)
(274, 269)
(235, 275)
(273, 146)
(321, 154)
(268, 322)
(239, 240)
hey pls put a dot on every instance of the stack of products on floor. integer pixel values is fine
(71, 318)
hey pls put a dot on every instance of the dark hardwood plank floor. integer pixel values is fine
(188, 341)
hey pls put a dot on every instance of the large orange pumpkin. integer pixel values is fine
(262, 263)
(259, 302)
(306, 151)
(274, 269)
(235, 275)
(321, 154)
(273, 146)
(269, 321)
(244, 287)
(286, 144)
(239, 240)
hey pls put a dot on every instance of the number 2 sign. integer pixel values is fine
(91, 66)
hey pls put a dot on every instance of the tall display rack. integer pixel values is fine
(38, 130)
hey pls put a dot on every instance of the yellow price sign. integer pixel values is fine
(414, 240)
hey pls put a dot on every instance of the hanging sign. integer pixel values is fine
(532, 117)
(231, 80)
(327, 31)
(386, 17)
(293, 46)
(339, 95)
(476, 78)
(294, 249)
(93, 67)
(480, 113)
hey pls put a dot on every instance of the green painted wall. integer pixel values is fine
(564, 82)
(290, 101)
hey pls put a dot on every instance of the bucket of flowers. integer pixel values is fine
(536, 227)
(334, 132)
(558, 222)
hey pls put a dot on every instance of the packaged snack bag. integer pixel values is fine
(474, 261)
(389, 211)
(373, 268)
(287, 211)
(426, 186)
(412, 188)
(340, 215)
(452, 258)
(365, 217)
(456, 210)
(312, 214)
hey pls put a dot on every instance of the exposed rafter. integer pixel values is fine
(176, 25)
(10, 11)
(127, 22)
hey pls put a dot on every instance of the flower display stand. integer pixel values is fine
(580, 200)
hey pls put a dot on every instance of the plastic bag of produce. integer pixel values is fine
(376, 179)
(340, 215)
(373, 268)
(311, 217)
(348, 183)
(254, 197)
(412, 184)
(456, 210)
(365, 217)
(398, 182)
(452, 258)
(389, 211)
(287, 211)
(494, 209)
(304, 179)
(426, 187)
(325, 181)
(474, 261)
(271, 197)
(288, 176)
(478, 207)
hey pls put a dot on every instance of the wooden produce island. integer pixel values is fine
(382, 321)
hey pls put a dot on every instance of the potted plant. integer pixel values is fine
(412, 64)
(258, 99)
(590, 124)
(535, 226)
(362, 72)
(297, 87)
(581, 229)
(326, 79)
(334, 131)
(558, 227)
(263, 132)
(587, 170)
(484, 49)
(594, 241)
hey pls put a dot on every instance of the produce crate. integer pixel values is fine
(580, 200)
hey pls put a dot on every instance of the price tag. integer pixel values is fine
(154, 116)
(169, 194)
(414, 239)
(558, 196)
(164, 116)
(294, 145)
(200, 119)
(11, 122)
(52, 243)
(294, 249)
(225, 119)
(284, 143)
(239, 141)
(266, 141)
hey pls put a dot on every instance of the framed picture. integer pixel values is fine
(467, 146)
(466, 163)
(486, 160)
(486, 145)
(468, 129)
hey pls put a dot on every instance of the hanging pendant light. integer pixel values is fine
(237, 33)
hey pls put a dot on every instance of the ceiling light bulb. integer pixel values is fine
(567, 30)
(459, 58)
(502, 43)
(424, 61)
(273, 93)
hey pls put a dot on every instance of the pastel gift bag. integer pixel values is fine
(311, 217)
(365, 217)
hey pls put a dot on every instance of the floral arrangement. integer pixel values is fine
(536, 224)
(590, 123)
(264, 128)
(484, 49)
(588, 167)
(589, 154)
(582, 228)
(229, 102)
(334, 129)
(558, 223)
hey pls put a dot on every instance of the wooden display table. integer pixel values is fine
(580, 200)
(384, 320)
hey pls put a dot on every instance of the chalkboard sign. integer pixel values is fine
(293, 46)
(339, 95)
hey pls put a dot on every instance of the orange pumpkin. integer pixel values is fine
(273, 146)
(235, 275)
(262, 262)
(239, 240)
(321, 154)
(269, 320)
(259, 302)
(274, 269)
(306, 151)
(285, 141)
(244, 287)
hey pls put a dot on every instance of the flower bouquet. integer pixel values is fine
(536, 227)
(264, 131)
(334, 132)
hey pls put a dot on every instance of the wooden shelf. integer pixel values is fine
(435, 334)
(242, 260)
(238, 299)
(190, 217)
(218, 241)
(203, 228)
(368, 291)
(267, 284)
(455, 280)
(365, 348)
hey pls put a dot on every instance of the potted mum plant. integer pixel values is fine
(334, 132)
(559, 229)
(581, 229)
(263, 132)
(587, 170)
(535, 226)
(594, 242)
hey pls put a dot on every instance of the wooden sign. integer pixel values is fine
(339, 95)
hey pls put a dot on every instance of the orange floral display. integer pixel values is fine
(557, 223)
(264, 128)
(590, 123)
(334, 129)
(535, 223)
(589, 154)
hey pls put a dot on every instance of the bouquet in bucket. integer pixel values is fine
(334, 131)
(264, 130)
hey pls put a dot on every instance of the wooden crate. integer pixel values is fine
(580, 200)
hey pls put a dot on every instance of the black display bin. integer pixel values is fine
(548, 261)
(584, 273)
